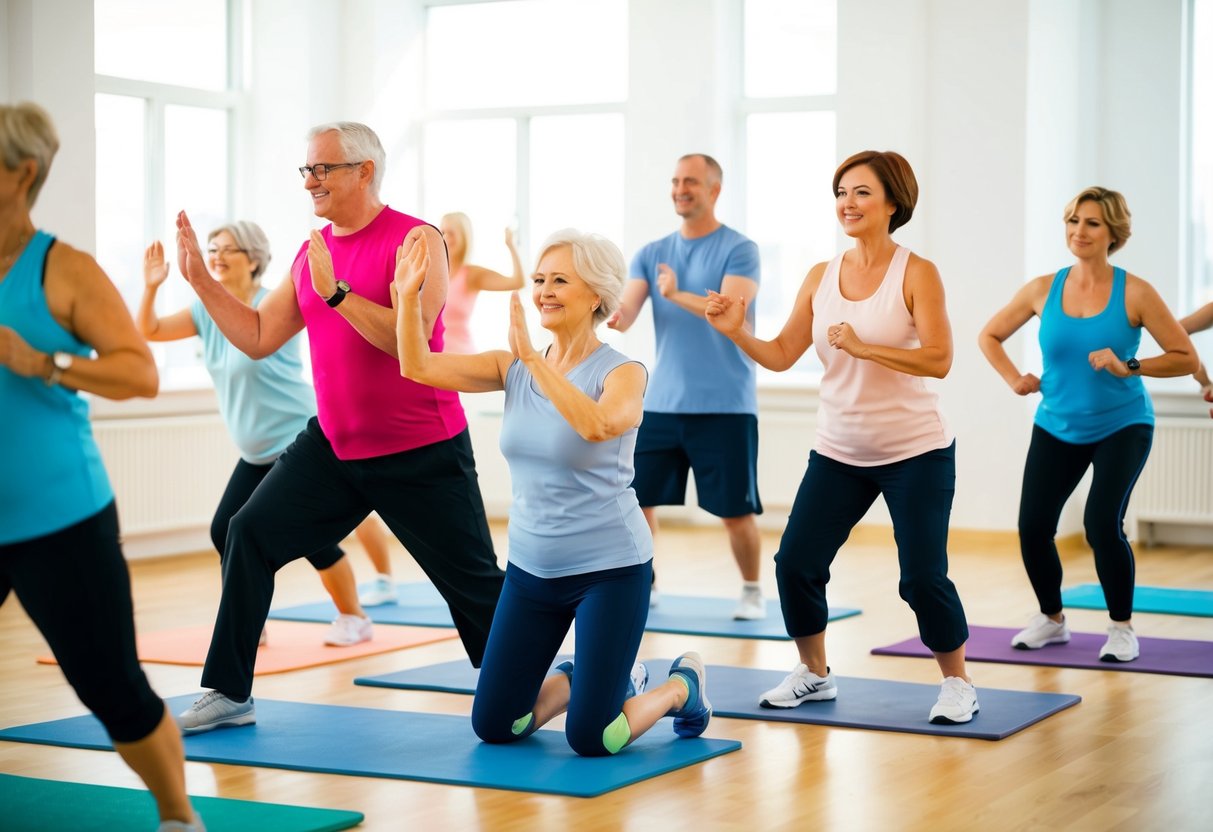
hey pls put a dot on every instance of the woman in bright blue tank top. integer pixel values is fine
(1094, 410)
(580, 549)
(265, 404)
(64, 329)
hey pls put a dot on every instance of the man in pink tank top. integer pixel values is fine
(379, 442)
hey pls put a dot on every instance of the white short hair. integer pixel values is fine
(598, 262)
(359, 143)
(250, 239)
(27, 132)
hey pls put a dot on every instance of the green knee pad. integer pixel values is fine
(616, 735)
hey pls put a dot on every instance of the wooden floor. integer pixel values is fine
(1137, 753)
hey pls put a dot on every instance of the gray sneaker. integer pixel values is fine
(214, 710)
(801, 685)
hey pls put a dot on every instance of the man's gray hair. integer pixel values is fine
(359, 143)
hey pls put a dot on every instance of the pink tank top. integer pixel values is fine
(365, 407)
(457, 314)
(868, 414)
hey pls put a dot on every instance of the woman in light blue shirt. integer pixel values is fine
(580, 550)
(264, 403)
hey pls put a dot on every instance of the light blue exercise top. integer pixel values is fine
(51, 474)
(1078, 404)
(264, 403)
(698, 370)
(574, 510)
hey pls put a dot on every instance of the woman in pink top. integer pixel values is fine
(468, 281)
(877, 316)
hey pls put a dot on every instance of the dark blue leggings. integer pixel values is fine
(75, 586)
(533, 617)
(833, 497)
(1051, 473)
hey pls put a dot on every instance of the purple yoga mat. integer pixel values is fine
(1171, 656)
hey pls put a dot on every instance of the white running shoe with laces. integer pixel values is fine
(348, 630)
(801, 685)
(957, 702)
(1041, 631)
(214, 710)
(751, 607)
(1121, 645)
(381, 591)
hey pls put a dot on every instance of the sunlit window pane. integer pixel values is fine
(120, 191)
(790, 161)
(526, 53)
(1201, 232)
(790, 48)
(471, 166)
(183, 43)
(577, 175)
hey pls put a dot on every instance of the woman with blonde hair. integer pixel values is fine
(1094, 410)
(467, 281)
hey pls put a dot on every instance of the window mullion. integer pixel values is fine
(155, 183)
(523, 184)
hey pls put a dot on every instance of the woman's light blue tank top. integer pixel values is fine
(574, 510)
(51, 474)
(1078, 404)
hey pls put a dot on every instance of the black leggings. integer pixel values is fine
(1051, 473)
(76, 589)
(240, 486)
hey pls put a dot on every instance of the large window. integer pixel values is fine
(1200, 230)
(788, 103)
(509, 147)
(167, 95)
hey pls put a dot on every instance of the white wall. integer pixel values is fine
(1005, 109)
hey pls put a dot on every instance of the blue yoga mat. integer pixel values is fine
(862, 703)
(434, 748)
(1197, 602)
(32, 805)
(421, 606)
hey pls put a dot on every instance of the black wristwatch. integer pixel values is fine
(343, 289)
(1134, 365)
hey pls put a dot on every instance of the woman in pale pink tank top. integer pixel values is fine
(877, 317)
(468, 281)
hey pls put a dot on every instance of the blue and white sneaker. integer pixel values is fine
(638, 680)
(214, 710)
(692, 718)
(801, 685)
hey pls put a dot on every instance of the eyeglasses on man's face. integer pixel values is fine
(226, 251)
(321, 171)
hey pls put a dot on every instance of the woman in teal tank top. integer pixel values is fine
(1094, 410)
(64, 329)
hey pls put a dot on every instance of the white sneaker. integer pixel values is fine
(181, 826)
(638, 680)
(801, 685)
(1041, 630)
(1121, 645)
(382, 591)
(654, 596)
(348, 630)
(214, 710)
(957, 702)
(751, 607)
(264, 639)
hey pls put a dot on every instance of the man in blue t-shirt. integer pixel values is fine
(701, 408)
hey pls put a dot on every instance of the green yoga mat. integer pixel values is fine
(1198, 602)
(31, 805)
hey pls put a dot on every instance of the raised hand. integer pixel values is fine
(412, 264)
(155, 269)
(1026, 385)
(509, 238)
(520, 336)
(189, 254)
(320, 264)
(1105, 359)
(725, 313)
(667, 280)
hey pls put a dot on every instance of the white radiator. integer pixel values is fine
(1176, 486)
(168, 473)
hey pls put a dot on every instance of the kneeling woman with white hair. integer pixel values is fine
(580, 549)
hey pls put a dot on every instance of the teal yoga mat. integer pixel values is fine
(421, 606)
(435, 748)
(1198, 602)
(32, 805)
(862, 703)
